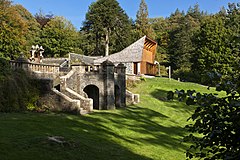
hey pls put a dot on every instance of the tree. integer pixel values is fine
(33, 28)
(232, 23)
(43, 18)
(142, 22)
(215, 132)
(160, 26)
(106, 25)
(195, 12)
(13, 31)
(214, 129)
(213, 52)
(58, 37)
(181, 45)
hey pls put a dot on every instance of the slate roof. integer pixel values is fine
(56, 61)
(132, 53)
(82, 59)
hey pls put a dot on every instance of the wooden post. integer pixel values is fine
(169, 72)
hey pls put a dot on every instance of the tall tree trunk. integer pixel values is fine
(107, 43)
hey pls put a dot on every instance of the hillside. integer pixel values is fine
(152, 129)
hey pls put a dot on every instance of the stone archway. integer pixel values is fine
(117, 94)
(93, 92)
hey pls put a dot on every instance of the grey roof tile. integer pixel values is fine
(78, 58)
(132, 53)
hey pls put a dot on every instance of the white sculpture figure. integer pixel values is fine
(36, 53)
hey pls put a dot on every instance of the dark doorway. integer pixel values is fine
(57, 87)
(117, 94)
(93, 92)
(135, 68)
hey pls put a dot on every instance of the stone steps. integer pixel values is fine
(83, 111)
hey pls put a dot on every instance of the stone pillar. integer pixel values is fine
(23, 62)
(121, 78)
(108, 78)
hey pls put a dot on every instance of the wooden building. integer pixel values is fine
(139, 57)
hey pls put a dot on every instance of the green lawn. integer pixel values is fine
(152, 129)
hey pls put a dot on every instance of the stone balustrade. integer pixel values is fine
(35, 67)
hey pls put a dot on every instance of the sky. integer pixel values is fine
(75, 10)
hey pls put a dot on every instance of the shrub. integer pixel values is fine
(186, 74)
(18, 92)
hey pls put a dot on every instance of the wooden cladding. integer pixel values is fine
(150, 45)
(148, 68)
(148, 56)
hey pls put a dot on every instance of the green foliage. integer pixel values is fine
(142, 78)
(32, 35)
(106, 26)
(160, 28)
(232, 23)
(196, 42)
(213, 52)
(170, 95)
(143, 26)
(12, 31)
(58, 37)
(181, 44)
(186, 74)
(215, 128)
(5, 68)
(17, 91)
(18, 29)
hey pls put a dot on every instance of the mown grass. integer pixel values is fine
(152, 129)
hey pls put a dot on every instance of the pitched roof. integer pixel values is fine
(78, 58)
(56, 61)
(132, 53)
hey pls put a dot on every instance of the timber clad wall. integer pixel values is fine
(148, 57)
(139, 57)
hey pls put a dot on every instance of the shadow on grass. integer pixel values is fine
(24, 136)
(140, 121)
(147, 122)
(120, 135)
(161, 95)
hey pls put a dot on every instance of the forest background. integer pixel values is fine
(192, 42)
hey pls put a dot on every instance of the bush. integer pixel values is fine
(185, 74)
(215, 122)
(5, 68)
(18, 92)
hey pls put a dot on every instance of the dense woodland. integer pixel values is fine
(200, 47)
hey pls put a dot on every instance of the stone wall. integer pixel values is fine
(120, 81)
(54, 100)
(105, 78)
(57, 101)
(109, 81)
(129, 68)
(132, 98)
(86, 103)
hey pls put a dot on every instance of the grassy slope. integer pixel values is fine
(152, 129)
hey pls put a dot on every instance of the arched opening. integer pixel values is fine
(57, 87)
(93, 92)
(117, 94)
